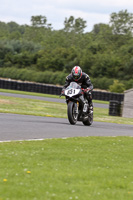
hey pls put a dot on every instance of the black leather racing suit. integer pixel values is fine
(84, 82)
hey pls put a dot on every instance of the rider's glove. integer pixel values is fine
(87, 90)
(63, 91)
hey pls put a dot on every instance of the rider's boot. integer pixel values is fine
(85, 107)
(83, 102)
(90, 107)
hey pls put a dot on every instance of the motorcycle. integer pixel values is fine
(76, 111)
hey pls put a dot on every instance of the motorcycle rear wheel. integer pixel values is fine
(89, 121)
(72, 116)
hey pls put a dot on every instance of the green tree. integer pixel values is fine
(77, 25)
(122, 22)
(105, 53)
(40, 21)
(15, 35)
(128, 69)
(13, 26)
(117, 87)
(97, 28)
(4, 31)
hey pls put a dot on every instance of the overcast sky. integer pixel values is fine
(92, 11)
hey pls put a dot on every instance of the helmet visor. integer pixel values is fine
(76, 76)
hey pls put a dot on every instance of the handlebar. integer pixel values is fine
(86, 90)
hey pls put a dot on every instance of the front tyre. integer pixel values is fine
(72, 115)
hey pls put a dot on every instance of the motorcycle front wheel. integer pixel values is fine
(72, 115)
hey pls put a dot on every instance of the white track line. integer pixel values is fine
(32, 140)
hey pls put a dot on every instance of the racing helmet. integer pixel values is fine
(76, 73)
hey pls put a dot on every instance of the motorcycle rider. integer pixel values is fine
(84, 81)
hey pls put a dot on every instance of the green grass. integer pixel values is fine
(29, 93)
(31, 107)
(42, 95)
(91, 168)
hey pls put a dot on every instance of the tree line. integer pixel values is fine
(39, 53)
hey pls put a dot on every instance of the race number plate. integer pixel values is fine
(70, 92)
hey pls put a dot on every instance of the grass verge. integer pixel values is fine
(61, 169)
(29, 93)
(42, 95)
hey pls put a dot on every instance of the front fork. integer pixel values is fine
(76, 107)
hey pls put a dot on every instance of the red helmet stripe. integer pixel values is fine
(76, 70)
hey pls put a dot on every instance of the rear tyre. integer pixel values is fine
(72, 115)
(89, 120)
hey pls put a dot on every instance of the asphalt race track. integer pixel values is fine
(24, 127)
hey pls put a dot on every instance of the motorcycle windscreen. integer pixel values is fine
(74, 85)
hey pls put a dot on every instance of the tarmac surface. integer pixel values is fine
(27, 127)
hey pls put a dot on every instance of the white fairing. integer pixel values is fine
(72, 92)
